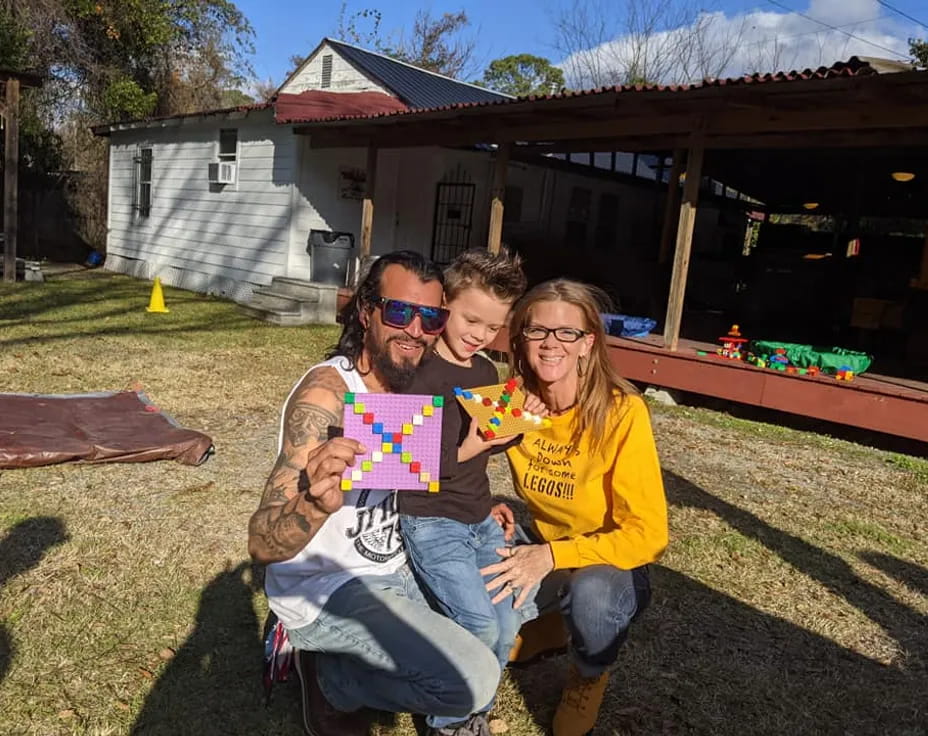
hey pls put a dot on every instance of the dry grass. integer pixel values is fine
(793, 598)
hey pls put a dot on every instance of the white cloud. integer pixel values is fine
(713, 44)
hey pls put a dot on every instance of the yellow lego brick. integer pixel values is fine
(433, 486)
(428, 410)
(387, 448)
(407, 429)
(346, 484)
(359, 408)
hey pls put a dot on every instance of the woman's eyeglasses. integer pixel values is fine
(562, 334)
(400, 314)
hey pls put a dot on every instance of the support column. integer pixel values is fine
(672, 209)
(498, 194)
(367, 204)
(10, 179)
(685, 227)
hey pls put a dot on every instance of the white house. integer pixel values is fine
(224, 201)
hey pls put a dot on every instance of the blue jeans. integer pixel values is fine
(598, 604)
(381, 646)
(446, 556)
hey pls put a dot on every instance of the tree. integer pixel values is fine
(919, 51)
(522, 75)
(437, 44)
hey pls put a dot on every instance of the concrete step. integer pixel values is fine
(266, 298)
(298, 288)
(284, 319)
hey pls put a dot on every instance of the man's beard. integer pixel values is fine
(396, 376)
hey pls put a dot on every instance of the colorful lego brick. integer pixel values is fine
(376, 456)
(407, 428)
(428, 410)
(425, 476)
(356, 475)
(346, 484)
(349, 398)
(438, 401)
(433, 486)
(417, 420)
(406, 457)
(358, 408)
(377, 428)
(386, 448)
(368, 418)
(415, 467)
(367, 465)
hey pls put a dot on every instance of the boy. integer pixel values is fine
(450, 535)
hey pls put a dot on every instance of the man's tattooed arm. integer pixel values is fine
(287, 517)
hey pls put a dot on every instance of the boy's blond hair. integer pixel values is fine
(497, 273)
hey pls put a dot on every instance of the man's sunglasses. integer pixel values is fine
(400, 314)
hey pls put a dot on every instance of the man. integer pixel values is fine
(337, 575)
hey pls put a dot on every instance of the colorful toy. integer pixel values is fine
(813, 370)
(499, 409)
(844, 373)
(732, 344)
(402, 434)
(778, 360)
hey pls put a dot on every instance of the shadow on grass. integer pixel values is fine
(21, 549)
(911, 575)
(700, 661)
(213, 683)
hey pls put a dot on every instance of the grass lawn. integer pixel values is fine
(793, 598)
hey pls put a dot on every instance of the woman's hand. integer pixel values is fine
(522, 568)
(505, 518)
(534, 405)
(474, 444)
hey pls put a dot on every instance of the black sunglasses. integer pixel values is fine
(400, 314)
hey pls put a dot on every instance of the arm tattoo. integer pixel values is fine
(309, 422)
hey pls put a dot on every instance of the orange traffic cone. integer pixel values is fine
(156, 303)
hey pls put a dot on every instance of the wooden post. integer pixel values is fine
(10, 179)
(498, 194)
(681, 261)
(672, 208)
(367, 205)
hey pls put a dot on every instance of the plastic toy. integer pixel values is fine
(844, 373)
(778, 360)
(499, 410)
(402, 434)
(732, 344)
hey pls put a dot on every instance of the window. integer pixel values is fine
(228, 144)
(326, 71)
(142, 199)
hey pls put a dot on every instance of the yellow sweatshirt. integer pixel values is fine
(603, 509)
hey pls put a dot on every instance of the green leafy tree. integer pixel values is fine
(522, 75)
(919, 51)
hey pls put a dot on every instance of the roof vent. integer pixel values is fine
(326, 71)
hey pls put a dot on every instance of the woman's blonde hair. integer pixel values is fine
(598, 381)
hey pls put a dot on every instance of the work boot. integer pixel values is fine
(545, 636)
(579, 707)
(320, 718)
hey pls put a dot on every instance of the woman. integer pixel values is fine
(592, 483)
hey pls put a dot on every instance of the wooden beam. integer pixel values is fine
(10, 180)
(497, 197)
(672, 210)
(681, 262)
(367, 204)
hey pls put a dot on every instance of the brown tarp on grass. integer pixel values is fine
(120, 427)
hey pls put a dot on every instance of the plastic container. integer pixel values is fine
(623, 325)
(330, 254)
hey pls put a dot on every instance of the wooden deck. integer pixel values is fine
(880, 403)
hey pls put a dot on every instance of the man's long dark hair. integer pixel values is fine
(351, 342)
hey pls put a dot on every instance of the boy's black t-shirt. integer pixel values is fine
(465, 490)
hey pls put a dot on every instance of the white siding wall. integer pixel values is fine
(345, 77)
(203, 236)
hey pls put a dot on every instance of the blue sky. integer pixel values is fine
(287, 27)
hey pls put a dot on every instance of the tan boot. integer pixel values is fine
(546, 635)
(579, 707)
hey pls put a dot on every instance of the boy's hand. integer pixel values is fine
(534, 405)
(474, 444)
(503, 516)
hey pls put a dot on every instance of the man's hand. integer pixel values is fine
(474, 444)
(324, 468)
(505, 518)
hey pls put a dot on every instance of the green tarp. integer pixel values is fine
(827, 359)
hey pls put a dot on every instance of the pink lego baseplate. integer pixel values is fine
(402, 434)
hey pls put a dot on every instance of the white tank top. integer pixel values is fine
(361, 538)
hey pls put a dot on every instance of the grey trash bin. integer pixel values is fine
(330, 254)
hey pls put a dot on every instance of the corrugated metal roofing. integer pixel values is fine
(853, 67)
(418, 88)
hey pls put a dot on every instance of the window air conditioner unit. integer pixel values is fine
(222, 172)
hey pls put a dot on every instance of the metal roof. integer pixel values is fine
(418, 88)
